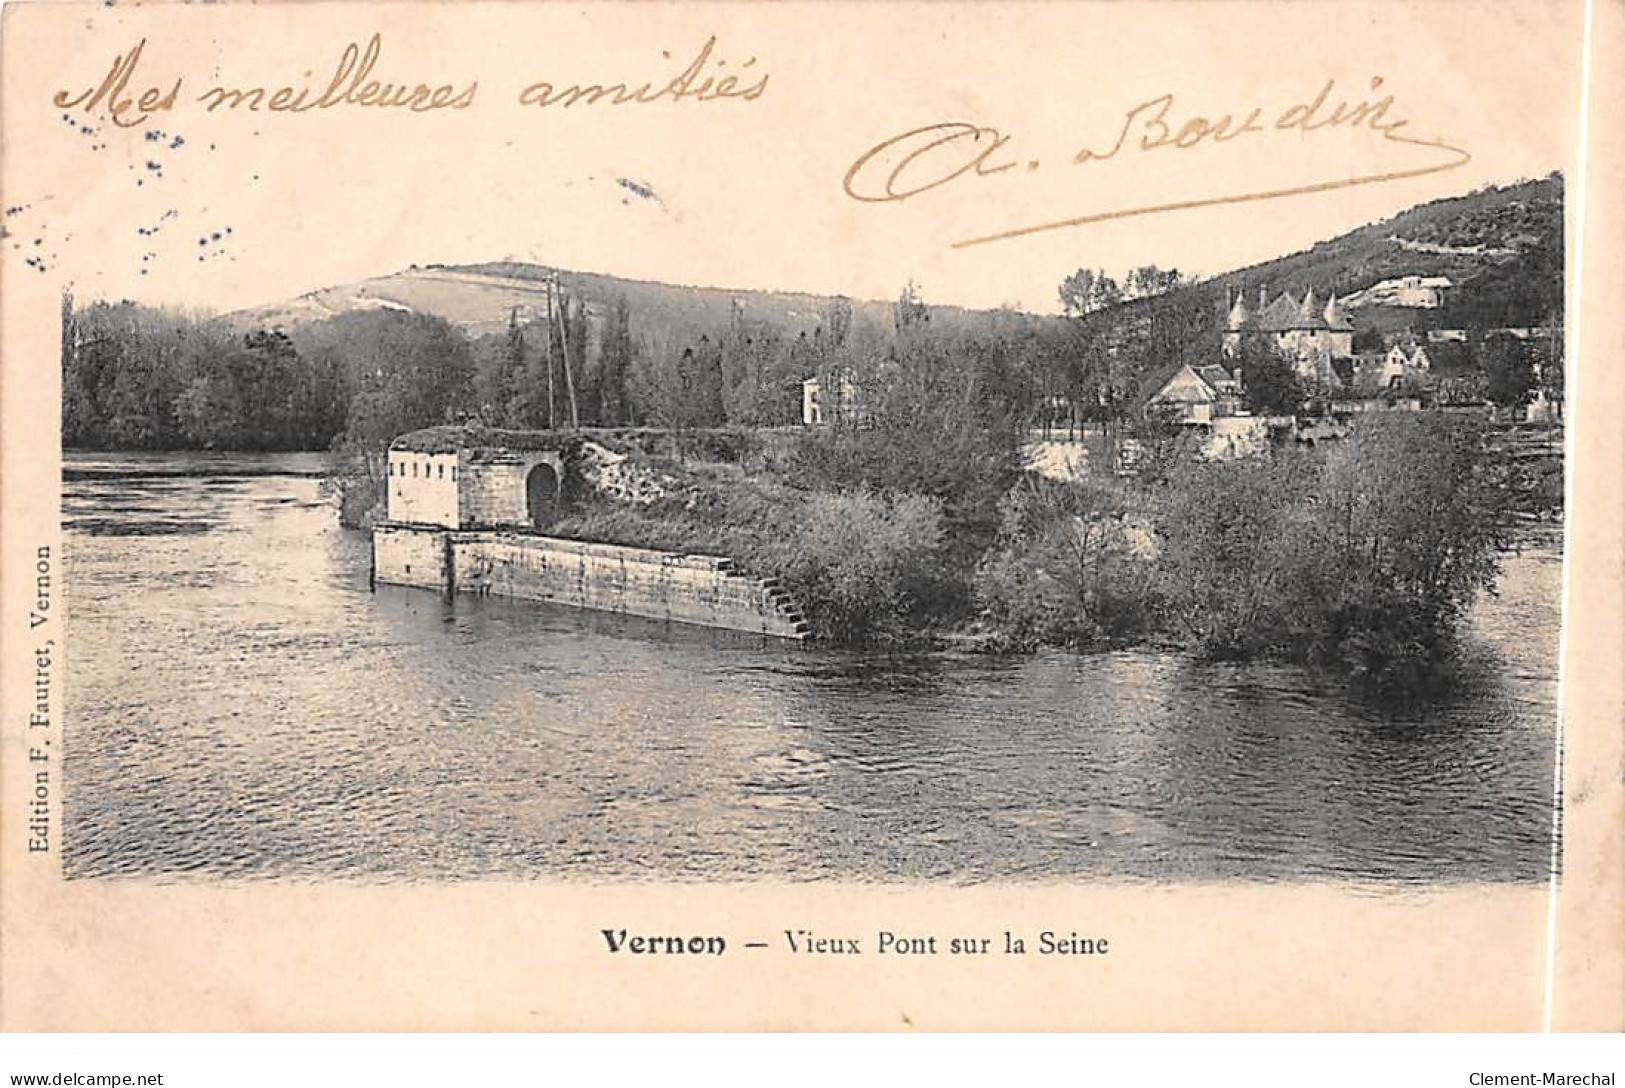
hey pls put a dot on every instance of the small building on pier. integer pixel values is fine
(453, 478)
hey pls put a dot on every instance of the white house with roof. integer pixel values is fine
(1411, 292)
(818, 409)
(1404, 365)
(1192, 394)
(1398, 362)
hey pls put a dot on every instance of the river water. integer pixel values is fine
(241, 706)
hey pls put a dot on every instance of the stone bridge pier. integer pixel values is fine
(470, 512)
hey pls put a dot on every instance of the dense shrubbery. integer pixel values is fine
(938, 415)
(1069, 569)
(1221, 566)
(1362, 556)
(862, 566)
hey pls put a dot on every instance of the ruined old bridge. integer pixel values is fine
(468, 511)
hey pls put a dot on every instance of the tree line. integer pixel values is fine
(135, 377)
(139, 377)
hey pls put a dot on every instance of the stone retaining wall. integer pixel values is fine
(697, 589)
(410, 555)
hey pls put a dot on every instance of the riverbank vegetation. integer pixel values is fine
(1362, 556)
(908, 518)
(907, 515)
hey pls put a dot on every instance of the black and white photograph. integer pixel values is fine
(629, 456)
(502, 569)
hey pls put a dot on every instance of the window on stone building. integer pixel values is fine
(440, 471)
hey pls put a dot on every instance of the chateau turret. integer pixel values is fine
(1239, 314)
(1336, 319)
(1312, 336)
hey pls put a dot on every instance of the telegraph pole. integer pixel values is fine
(550, 420)
(564, 342)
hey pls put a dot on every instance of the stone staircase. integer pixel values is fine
(784, 606)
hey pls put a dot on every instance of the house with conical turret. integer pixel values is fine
(1313, 336)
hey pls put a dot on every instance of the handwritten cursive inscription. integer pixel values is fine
(932, 156)
(350, 85)
(922, 159)
(124, 98)
(127, 109)
(702, 81)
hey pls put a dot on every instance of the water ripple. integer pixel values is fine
(242, 707)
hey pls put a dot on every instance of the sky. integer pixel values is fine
(234, 208)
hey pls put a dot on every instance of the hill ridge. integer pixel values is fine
(1501, 246)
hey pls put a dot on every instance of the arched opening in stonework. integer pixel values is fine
(542, 495)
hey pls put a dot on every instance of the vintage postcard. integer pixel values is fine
(894, 516)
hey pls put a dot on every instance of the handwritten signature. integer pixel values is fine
(957, 152)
